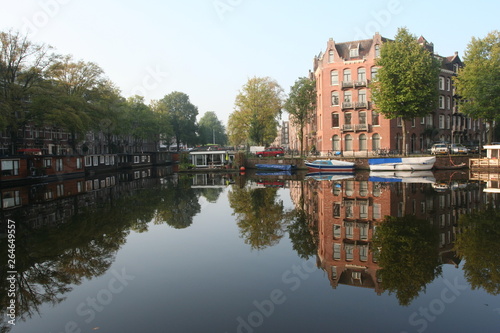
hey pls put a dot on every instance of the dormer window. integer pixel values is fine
(354, 52)
(377, 51)
(330, 56)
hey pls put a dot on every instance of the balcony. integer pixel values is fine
(362, 83)
(361, 105)
(347, 84)
(347, 128)
(361, 127)
(347, 105)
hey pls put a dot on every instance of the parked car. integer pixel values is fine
(473, 147)
(439, 149)
(458, 148)
(271, 152)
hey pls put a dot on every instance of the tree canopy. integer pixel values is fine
(211, 129)
(300, 104)
(407, 80)
(182, 116)
(478, 82)
(257, 110)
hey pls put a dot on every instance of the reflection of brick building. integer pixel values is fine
(347, 213)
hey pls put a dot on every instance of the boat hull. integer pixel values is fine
(402, 163)
(402, 177)
(330, 166)
(278, 167)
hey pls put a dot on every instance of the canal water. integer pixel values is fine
(153, 251)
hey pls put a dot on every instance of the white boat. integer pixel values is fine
(332, 176)
(402, 163)
(330, 166)
(425, 176)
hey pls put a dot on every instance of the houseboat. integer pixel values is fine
(211, 157)
(492, 159)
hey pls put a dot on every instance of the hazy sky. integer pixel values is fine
(208, 49)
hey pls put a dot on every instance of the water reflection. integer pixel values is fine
(389, 236)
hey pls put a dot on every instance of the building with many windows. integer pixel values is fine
(346, 121)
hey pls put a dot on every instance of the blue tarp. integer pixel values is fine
(389, 160)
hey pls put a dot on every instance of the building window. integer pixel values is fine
(78, 162)
(335, 98)
(441, 121)
(336, 228)
(441, 102)
(377, 211)
(335, 120)
(375, 141)
(441, 83)
(349, 229)
(334, 77)
(422, 121)
(362, 118)
(377, 50)
(448, 103)
(413, 122)
(336, 251)
(348, 142)
(362, 142)
(399, 122)
(11, 199)
(336, 143)
(347, 75)
(354, 52)
(448, 122)
(47, 162)
(347, 97)
(374, 73)
(347, 118)
(330, 56)
(375, 118)
(59, 164)
(448, 84)
(361, 74)
(362, 96)
(10, 167)
(60, 190)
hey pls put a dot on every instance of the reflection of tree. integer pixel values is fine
(408, 256)
(180, 204)
(211, 194)
(260, 216)
(478, 244)
(302, 235)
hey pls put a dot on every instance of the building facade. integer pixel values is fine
(346, 120)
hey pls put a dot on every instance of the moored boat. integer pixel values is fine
(330, 166)
(281, 167)
(329, 176)
(402, 163)
(402, 176)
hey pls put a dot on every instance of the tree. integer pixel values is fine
(182, 116)
(408, 255)
(211, 129)
(477, 243)
(300, 104)
(407, 82)
(23, 67)
(478, 82)
(78, 99)
(257, 110)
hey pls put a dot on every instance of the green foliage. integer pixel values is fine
(260, 215)
(304, 238)
(407, 81)
(182, 116)
(211, 129)
(477, 243)
(478, 83)
(257, 110)
(300, 104)
(408, 256)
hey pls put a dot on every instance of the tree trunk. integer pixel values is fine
(489, 137)
(301, 138)
(403, 127)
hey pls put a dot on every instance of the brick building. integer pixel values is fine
(346, 121)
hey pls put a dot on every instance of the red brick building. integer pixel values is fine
(346, 121)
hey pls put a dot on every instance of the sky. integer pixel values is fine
(208, 49)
